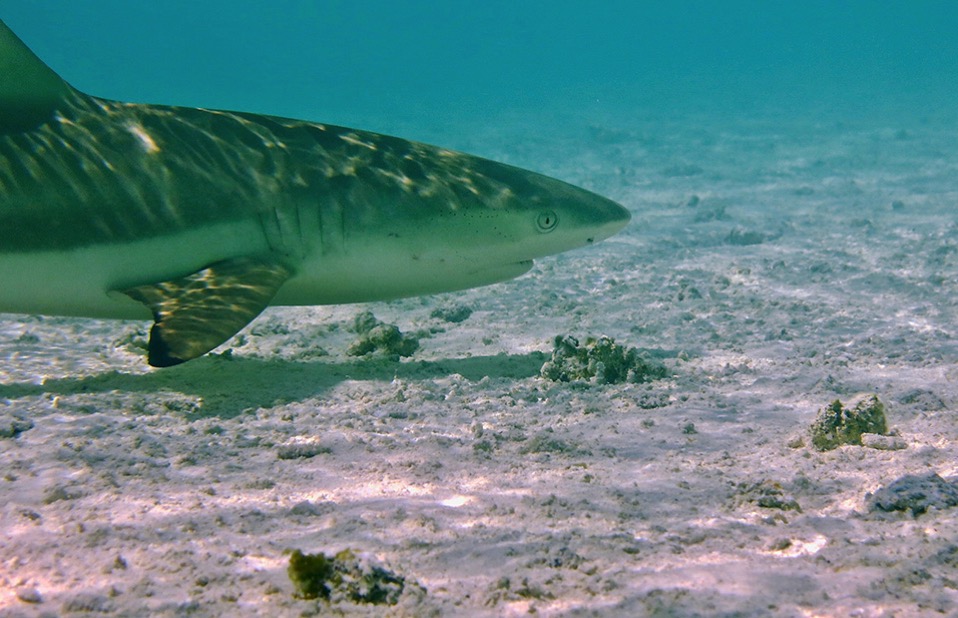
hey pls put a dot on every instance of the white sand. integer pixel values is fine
(143, 492)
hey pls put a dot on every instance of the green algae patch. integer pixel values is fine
(599, 361)
(837, 425)
(311, 575)
(345, 577)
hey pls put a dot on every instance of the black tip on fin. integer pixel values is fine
(160, 354)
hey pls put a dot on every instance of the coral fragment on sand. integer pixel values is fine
(915, 493)
(768, 495)
(600, 361)
(12, 425)
(344, 577)
(376, 337)
(453, 314)
(836, 425)
(302, 448)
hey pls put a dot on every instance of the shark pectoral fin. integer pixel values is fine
(194, 314)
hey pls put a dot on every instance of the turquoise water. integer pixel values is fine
(346, 61)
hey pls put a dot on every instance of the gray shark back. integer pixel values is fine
(131, 171)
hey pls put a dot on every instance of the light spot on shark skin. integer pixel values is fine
(404, 182)
(466, 182)
(503, 198)
(352, 138)
(149, 146)
(348, 167)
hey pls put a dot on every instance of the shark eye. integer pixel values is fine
(547, 221)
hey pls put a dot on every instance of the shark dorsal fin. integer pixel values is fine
(29, 90)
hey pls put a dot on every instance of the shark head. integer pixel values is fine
(528, 216)
(467, 222)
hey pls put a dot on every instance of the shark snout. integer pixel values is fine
(610, 218)
(592, 217)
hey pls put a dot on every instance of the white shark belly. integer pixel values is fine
(86, 282)
(366, 272)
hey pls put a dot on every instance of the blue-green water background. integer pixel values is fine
(378, 61)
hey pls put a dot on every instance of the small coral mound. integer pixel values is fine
(915, 493)
(453, 314)
(344, 577)
(837, 425)
(299, 448)
(12, 425)
(600, 361)
(768, 495)
(380, 338)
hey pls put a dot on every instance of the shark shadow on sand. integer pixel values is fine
(230, 386)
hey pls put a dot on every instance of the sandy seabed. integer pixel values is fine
(773, 264)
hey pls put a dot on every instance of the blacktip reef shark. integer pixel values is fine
(202, 218)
